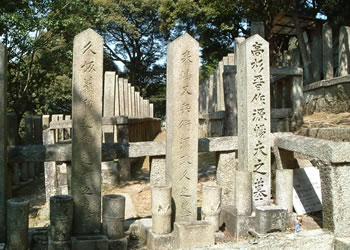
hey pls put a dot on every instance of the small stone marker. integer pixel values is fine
(182, 125)
(87, 131)
(307, 190)
(3, 140)
(253, 99)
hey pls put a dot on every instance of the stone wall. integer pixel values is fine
(330, 96)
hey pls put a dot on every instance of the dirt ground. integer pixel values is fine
(139, 188)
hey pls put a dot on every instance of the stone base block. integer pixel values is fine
(90, 242)
(237, 225)
(342, 243)
(270, 219)
(160, 241)
(144, 228)
(119, 244)
(59, 245)
(291, 220)
(193, 234)
(2, 246)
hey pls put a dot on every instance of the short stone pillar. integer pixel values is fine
(284, 189)
(161, 209)
(113, 216)
(243, 193)
(17, 224)
(211, 204)
(61, 217)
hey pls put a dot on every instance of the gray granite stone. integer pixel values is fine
(182, 125)
(160, 241)
(108, 104)
(121, 96)
(270, 219)
(118, 244)
(327, 47)
(61, 217)
(342, 243)
(225, 176)
(116, 97)
(113, 216)
(161, 209)
(87, 131)
(157, 171)
(253, 99)
(344, 51)
(284, 189)
(211, 204)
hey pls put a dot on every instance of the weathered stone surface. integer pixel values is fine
(270, 219)
(237, 225)
(160, 241)
(113, 216)
(182, 125)
(3, 141)
(335, 197)
(116, 97)
(211, 204)
(336, 152)
(59, 245)
(161, 209)
(121, 96)
(284, 189)
(17, 224)
(157, 171)
(61, 217)
(225, 176)
(332, 134)
(93, 242)
(137, 104)
(253, 99)
(316, 52)
(110, 173)
(132, 95)
(144, 228)
(87, 131)
(193, 234)
(327, 51)
(344, 51)
(230, 99)
(126, 97)
(51, 187)
(243, 193)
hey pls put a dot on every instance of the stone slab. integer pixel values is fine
(182, 125)
(160, 242)
(307, 195)
(143, 229)
(193, 234)
(90, 242)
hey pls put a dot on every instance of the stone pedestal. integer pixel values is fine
(17, 224)
(211, 204)
(160, 241)
(113, 216)
(270, 219)
(61, 217)
(193, 234)
(161, 209)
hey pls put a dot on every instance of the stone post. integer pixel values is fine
(147, 108)
(133, 113)
(137, 103)
(116, 96)
(254, 116)
(151, 110)
(87, 131)
(12, 141)
(38, 139)
(126, 97)
(211, 104)
(284, 189)
(225, 176)
(297, 98)
(17, 224)
(51, 186)
(220, 71)
(61, 221)
(344, 51)
(161, 209)
(182, 125)
(327, 47)
(142, 114)
(243, 193)
(3, 141)
(108, 104)
(230, 97)
(129, 100)
(316, 52)
(28, 140)
(121, 97)
(123, 137)
(211, 204)
(113, 216)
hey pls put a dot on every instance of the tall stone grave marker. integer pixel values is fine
(86, 135)
(253, 98)
(182, 125)
(121, 96)
(3, 140)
